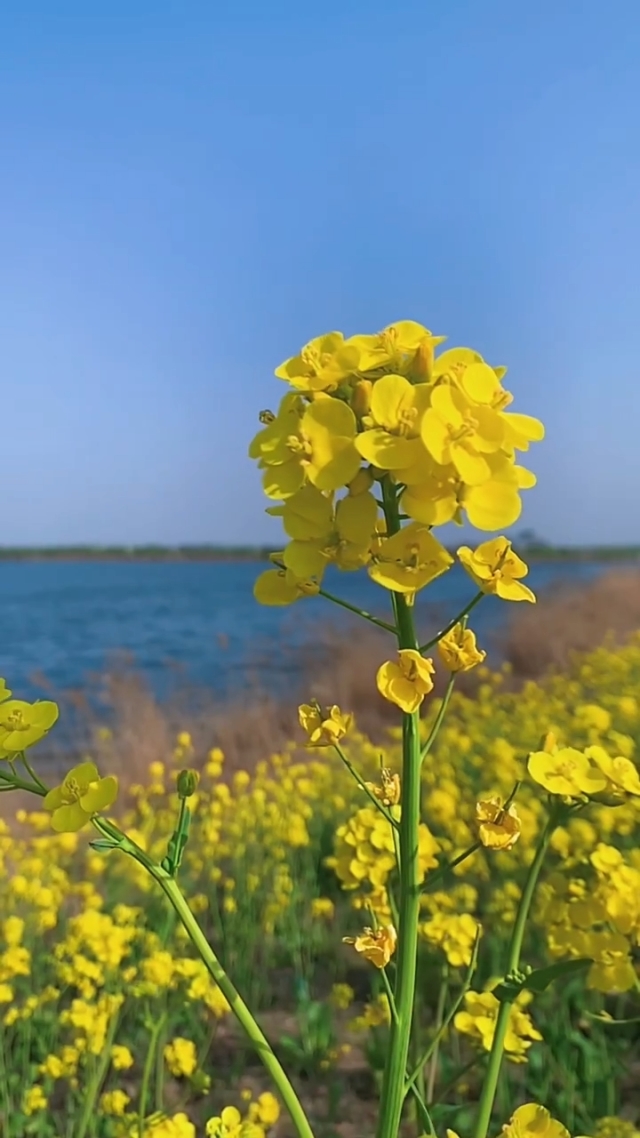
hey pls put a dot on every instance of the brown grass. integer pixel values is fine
(571, 619)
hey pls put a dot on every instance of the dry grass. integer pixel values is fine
(569, 619)
(338, 667)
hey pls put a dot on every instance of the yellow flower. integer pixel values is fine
(458, 650)
(341, 996)
(531, 1121)
(33, 1100)
(409, 560)
(376, 946)
(407, 682)
(395, 346)
(496, 569)
(282, 587)
(479, 1021)
(322, 907)
(461, 433)
(81, 794)
(323, 728)
(392, 438)
(322, 533)
(277, 448)
(388, 791)
(114, 1102)
(121, 1057)
(226, 1125)
(566, 771)
(498, 828)
(267, 1108)
(322, 364)
(454, 933)
(329, 456)
(4, 690)
(22, 724)
(621, 773)
(612, 970)
(181, 1056)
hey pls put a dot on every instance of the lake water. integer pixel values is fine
(196, 622)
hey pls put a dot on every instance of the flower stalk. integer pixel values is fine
(496, 1055)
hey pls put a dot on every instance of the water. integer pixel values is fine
(195, 622)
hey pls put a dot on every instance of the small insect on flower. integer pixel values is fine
(498, 826)
(388, 790)
(377, 946)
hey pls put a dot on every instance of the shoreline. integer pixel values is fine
(613, 556)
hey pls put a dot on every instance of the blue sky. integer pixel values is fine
(189, 192)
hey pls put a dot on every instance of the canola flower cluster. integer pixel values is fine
(386, 406)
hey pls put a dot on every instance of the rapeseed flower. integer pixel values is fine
(81, 794)
(499, 827)
(409, 560)
(376, 945)
(322, 363)
(458, 650)
(392, 440)
(22, 724)
(496, 569)
(532, 1121)
(406, 682)
(323, 728)
(567, 772)
(181, 1056)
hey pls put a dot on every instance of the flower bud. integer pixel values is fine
(187, 783)
(361, 399)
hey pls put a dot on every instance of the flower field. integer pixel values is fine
(433, 933)
(107, 1013)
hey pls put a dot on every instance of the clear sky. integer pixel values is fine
(190, 191)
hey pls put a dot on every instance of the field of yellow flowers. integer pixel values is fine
(436, 934)
(108, 1017)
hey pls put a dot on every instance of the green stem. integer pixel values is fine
(241, 1011)
(447, 1020)
(14, 782)
(256, 1036)
(392, 1095)
(490, 1084)
(351, 608)
(38, 782)
(98, 1078)
(442, 870)
(440, 1019)
(452, 623)
(154, 1036)
(363, 786)
(437, 723)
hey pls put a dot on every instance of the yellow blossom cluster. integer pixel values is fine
(385, 406)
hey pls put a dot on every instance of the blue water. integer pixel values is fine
(196, 622)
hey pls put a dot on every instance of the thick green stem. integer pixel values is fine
(490, 1084)
(392, 1095)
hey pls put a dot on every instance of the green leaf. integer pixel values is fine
(540, 979)
(104, 845)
